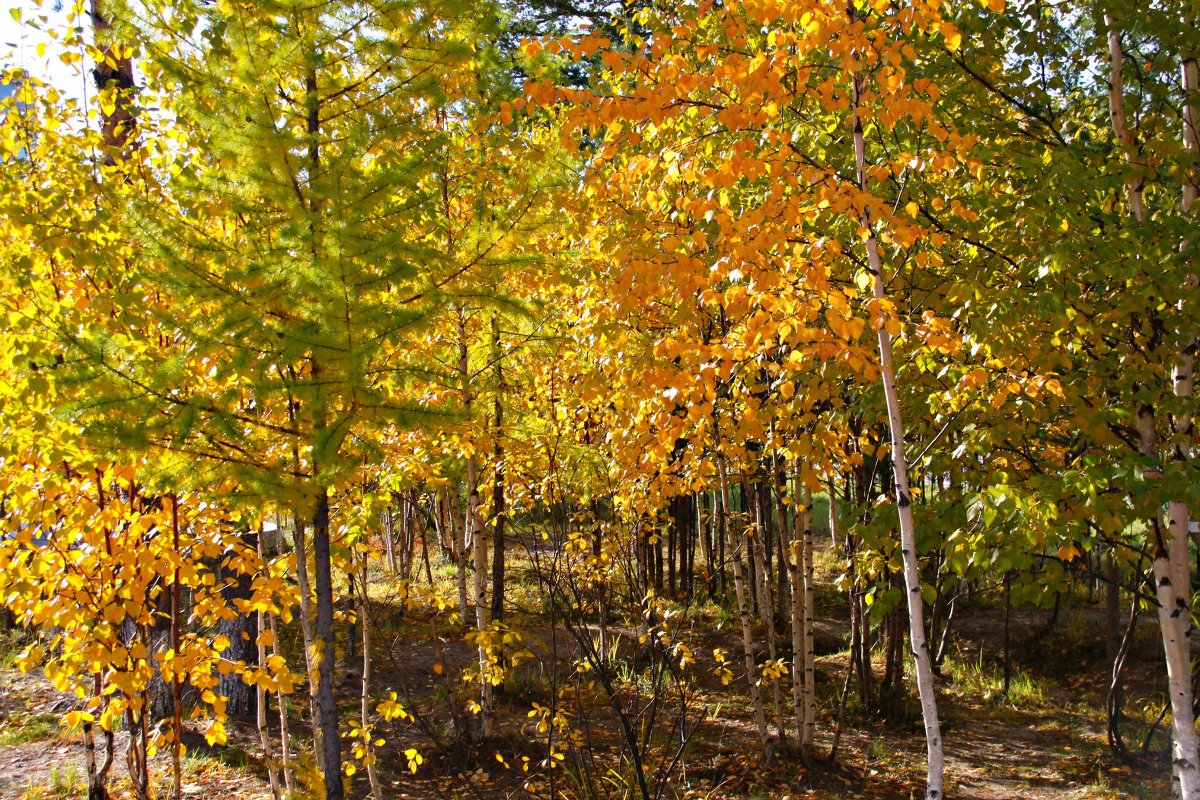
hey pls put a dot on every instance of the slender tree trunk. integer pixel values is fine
(176, 682)
(841, 712)
(833, 515)
(474, 529)
(739, 585)
(808, 729)
(1007, 632)
(499, 513)
(97, 788)
(389, 544)
(784, 531)
(1114, 700)
(704, 530)
(861, 643)
(1112, 605)
(943, 639)
(1170, 542)
(859, 656)
(719, 534)
(795, 571)
(672, 545)
(351, 606)
(324, 643)
(656, 560)
(786, 527)
(767, 603)
(285, 739)
(365, 709)
(260, 698)
(136, 755)
(460, 546)
(691, 515)
(751, 551)
(307, 618)
(908, 538)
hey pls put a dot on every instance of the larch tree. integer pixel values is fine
(280, 254)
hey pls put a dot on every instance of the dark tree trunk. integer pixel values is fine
(331, 749)
(656, 554)
(1007, 631)
(499, 511)
(719, 523)
(690, 510)
(118, 125)
(242, 632)
(672, 545)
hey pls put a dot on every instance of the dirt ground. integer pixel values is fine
(1048, 746)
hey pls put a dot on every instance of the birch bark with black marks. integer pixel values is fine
(809, 724)
(1169, 543)
(739, 585)
(908, 538)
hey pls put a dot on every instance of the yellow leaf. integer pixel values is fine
(951, 35)
(215, 734)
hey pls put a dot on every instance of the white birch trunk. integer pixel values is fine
(739, 586)
(307, 618)
(766, 605)
(1116, 105)
(1171, 578)
(474, 534)
(908, 537)
(1184, 372)
(285, 739)
(1187, 748)
(808, 729)
(479, 544)
(364, 623)
(260, 694)
(795, 580)
(389, 533)
(1175, 624)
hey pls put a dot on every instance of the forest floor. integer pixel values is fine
(1044, 741)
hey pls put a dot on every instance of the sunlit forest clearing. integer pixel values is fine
(579, 399)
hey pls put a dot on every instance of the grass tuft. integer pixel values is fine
(36, 728)
(985, 683)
